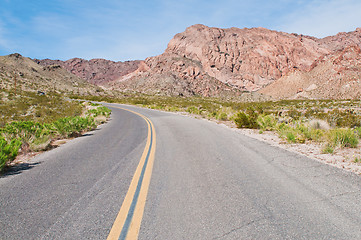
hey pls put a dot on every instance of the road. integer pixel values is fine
(207, 182)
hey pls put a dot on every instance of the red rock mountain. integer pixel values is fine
(209, 60)
(95, 71)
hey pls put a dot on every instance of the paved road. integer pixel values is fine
(208, 182)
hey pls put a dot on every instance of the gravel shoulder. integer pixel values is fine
(341, 158)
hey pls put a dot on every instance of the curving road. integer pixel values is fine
(207, 182)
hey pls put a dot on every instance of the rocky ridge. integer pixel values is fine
(95, 71)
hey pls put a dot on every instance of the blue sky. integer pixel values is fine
(135, 29)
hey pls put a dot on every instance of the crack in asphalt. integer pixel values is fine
(237, 228)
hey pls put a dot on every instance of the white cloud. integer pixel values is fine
(324, 18)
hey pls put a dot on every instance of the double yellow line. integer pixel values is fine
(129, 218)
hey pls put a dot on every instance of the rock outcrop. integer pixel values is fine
(333, 76)
(95, 71)
(246, 58)
(173, 75)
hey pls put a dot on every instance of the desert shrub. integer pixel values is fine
(222, 116)
(193, 110)
(290, 136)
(8, 150)
(290, 133)
(357, 160)
(344, 118)
(267, 122)
(328, 149)
(94, 104)
(27, 131)
(319, 124)
(316, 135)
(243, 120)
(72, 126)
(40, 143)
(99, 111)
(342, 137)
(294, 114)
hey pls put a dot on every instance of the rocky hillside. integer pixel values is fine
(333, 76)
(31, 76)
(212, 61)
(95, 71)
(176, 76)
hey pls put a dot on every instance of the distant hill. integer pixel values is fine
(95, 71)
(30, 76)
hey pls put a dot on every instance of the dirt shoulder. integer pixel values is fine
(343, 158)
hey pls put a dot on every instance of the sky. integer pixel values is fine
(121, 30)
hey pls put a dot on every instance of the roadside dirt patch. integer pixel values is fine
(342, 158)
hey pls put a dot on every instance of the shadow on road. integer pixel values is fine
(17, 169)
(86, 135)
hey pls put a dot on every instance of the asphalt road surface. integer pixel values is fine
(208, 182)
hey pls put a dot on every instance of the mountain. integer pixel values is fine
(241, 59)
(333, 76)
(95, 71)
(215, 62)
(31, 76)
(212, 61)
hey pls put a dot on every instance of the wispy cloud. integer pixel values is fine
(324, 18)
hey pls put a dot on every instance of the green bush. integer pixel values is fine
(343, 138)
(222, 116)
(99, 111)
(328, 149)
(8, 151)
(243, 120)
(290, 133)
(72, 126)
(267, 122)
(291, 136)
(194, 110)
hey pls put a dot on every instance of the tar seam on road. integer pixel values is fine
(129, 218)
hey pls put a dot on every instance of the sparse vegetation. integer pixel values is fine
(22, 128)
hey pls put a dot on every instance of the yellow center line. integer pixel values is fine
(129, 218)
